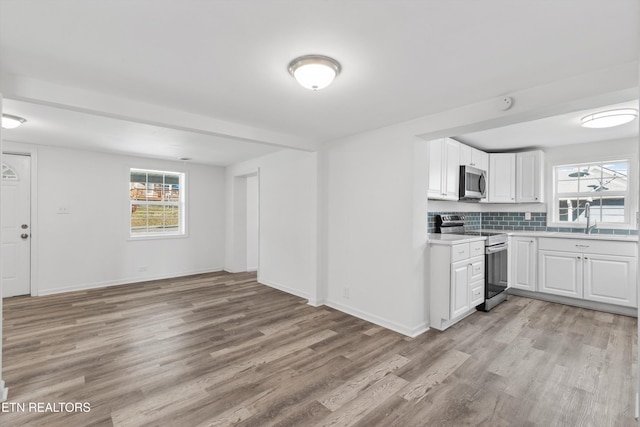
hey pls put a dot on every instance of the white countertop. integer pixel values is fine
(452, 239)
(564, 235)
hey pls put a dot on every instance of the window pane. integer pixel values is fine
(567, 179)
(138, 218)
(172, 218)
(609, 209)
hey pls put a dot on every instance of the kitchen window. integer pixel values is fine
(604, 185)
(157, 203)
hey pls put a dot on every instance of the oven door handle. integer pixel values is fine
(497, 248)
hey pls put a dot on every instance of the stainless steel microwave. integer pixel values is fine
(473, 183)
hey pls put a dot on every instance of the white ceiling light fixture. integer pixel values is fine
(10, 122)
(609, 118)
(314, 71)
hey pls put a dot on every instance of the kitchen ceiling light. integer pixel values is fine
(314, 71)
(610, 118)
(10, 122)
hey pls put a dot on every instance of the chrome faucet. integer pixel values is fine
(587, 214)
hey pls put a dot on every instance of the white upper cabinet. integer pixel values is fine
(470, 156)
(516, 178)
(529, 177)
(502, 177)
(444, 169)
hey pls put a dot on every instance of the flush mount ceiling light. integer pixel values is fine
(610, 118)
(10, 122)
(314, 71)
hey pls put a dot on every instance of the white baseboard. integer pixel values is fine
(4, 392)
(411, 332)
(95, 285)
(283, 288)
(316, 302)
(593, 305)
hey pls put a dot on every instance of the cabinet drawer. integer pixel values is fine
(476, 248)
(602, 247)
(476, 293)
(459, 252)
(476, 269)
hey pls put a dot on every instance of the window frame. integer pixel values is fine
(630, 202)
(181, 204)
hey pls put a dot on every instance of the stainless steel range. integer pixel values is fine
(496, 257)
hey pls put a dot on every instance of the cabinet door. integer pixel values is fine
(436, 164)
(560, 273)
(452, 169)
(610, 279)
(502, 176)
(528, 177)
(523, 263)
(480, 159)
(465, 155)
(459, 288)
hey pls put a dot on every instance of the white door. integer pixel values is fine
(523, 263)
(611, 279)
(560, 273)
(436, 165)
(459, 288)
(16, 225)
(502, 176)
(452, 169)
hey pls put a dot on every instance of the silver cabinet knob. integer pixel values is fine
(24, 226)
(24, 235)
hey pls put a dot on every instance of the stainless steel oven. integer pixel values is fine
(496, 258)
(495, 275)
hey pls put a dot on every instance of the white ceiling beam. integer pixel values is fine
(41, 92)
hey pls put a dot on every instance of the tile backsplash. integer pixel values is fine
(514, 221)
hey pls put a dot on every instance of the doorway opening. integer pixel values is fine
(246, 216)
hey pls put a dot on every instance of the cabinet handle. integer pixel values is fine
(579, 257)
(582, 246)
(460, 253)
(586, 258)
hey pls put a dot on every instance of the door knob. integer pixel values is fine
(24, 235)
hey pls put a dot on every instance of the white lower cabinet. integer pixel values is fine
(524, 260)
(587, 269)
(610, 279)
(560, 273)
(457, 282)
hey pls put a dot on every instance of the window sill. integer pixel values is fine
(157, 237)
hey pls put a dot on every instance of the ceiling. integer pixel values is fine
(552, 131)
(227, 61)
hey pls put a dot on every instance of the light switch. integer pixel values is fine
(527, 216)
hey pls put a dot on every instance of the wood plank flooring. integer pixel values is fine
(221, 349)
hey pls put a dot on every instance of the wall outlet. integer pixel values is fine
(345, 293)
(527, 216)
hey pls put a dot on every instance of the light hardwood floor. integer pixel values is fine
(221, 349)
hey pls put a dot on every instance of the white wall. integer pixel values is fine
(375, 245)
(89, 246)
(287, 224)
